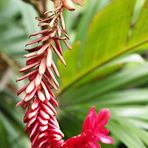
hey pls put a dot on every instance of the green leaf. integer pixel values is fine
(89, 12)
(4, 142)
(104, 41)
(124, 130)
(140, 30)
(112, 67)
(127, 77)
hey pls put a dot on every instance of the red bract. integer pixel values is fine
(42, 125)
(93, 131)
(41, 71)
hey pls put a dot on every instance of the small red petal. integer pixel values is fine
(44, 115)
(47, 110)
(33, 60)
(52, 76)
(42, 121)
(45, 90)
(42, 50)
(55, 69)
(30, 87)
(33, 113)
(106, 139)
(32, 54)
(38, 80)
(27, 75)
(58, 46)
(33, 130)
(50, 106)
(41, 145)
(35, 41)
(40, 32)
(35, 104)
(42, 66)
(29, 66)
(41, 96)
(22, 89)
(90, 120)
(34, 49)
(29, 96)
(103, 117)
(43, 128)
(31, 121)
(49, 57)
(58, 54)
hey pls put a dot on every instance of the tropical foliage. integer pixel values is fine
(107, 67)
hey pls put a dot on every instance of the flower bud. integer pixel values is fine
(79, 2)
(68, 4)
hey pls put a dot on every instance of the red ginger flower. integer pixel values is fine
(39, 100)
(93, 131)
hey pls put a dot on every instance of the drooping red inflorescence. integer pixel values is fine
(40, 101)
(41, 71)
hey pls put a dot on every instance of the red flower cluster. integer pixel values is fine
(39, 100)
(42, 125)
(93, 131)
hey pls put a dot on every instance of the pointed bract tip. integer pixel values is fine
(68, 4)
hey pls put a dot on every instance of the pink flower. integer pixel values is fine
(93, 131)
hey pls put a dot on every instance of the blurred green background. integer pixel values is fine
(107, 67)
